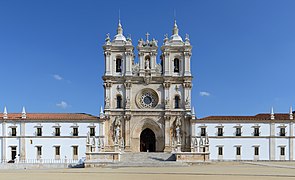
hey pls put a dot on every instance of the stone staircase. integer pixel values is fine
(147, 159)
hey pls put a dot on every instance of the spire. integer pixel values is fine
(5, 114)
(291, 113)
(272, 115)
(175, 36)
(175, 29)
(24, 114)
(119, 36)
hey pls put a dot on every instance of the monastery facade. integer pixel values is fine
(147, 109)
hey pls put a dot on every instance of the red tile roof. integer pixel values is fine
(257, 117)
(50, 116)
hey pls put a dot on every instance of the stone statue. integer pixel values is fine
(147, 64)
(107, 102)
(117, 129)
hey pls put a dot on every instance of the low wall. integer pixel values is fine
(94, 159)
(192, 156)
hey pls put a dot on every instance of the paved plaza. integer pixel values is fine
(215, 170)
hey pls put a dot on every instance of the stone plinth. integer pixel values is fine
(192, 156)
(94, 159)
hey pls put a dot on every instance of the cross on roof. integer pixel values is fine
(147, 36)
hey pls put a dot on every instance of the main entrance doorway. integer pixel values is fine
(147, 141)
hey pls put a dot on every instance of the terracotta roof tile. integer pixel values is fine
(51, 116)
(258, 117)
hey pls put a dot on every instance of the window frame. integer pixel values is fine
(203, 131)
(13, 131)
(57, 131)
(39, 131)
(118, 65)
(77, 131)
(92, 131)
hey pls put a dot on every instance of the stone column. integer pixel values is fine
(128, 61)
(291, 141)
(167, 97)
(167, 134)
(187, 94)
(141, 63)
(272, 142)
(167, 64)
(127, 132)
(22, 141)
(153, 62)
(108, 63)
(187, 68)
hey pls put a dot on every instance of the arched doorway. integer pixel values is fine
(147, 141)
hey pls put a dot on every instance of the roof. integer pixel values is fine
(50, 116)
(257, 117)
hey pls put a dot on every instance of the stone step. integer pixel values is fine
(147, 157)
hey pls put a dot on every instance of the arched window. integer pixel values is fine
(176, 65)
(176, 102)
(119, 101)
(118, 65)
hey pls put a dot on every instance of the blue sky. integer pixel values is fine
(243, 58)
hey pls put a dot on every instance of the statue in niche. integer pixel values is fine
(117, 129)
(147, 64)
(178, 125)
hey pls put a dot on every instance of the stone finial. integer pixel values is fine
(88, 138)
(24, 114)
(101, 112)
(206, 139)
(193, 111)
(5, 114)
(291, 113)
(272, 115)
(93, 141)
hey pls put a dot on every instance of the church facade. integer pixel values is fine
(146, 101)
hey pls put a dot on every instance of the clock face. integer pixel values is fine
(147, 98)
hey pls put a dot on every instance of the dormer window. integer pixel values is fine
(119, 101)
(176, 65)
(118, 65)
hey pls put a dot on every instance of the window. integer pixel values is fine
(92, 131)
(256, 151)
(57, 150)
(203, 131)
(282, 131)
(220, 151)
(39, 131)
(238, 131)
(238, 150)
(13, 131)
(256, 131)
(176, 65)
(220, 131)
(57, 131)
(119, 101)
(39, 150)
(177, 99)
(75, 152)
(118, 65)
(75, 131)
(282, 151)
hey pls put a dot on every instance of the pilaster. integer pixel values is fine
(272, 142)
(291, 141)
(22, 141)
